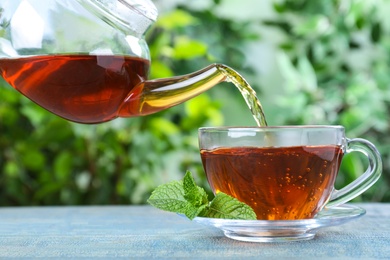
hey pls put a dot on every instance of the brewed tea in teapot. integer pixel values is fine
(81, 88)
(87, 60)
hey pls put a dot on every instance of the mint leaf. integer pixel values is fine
(194, 194)
(180, 196)
(169, 197)
(225, 206)
(187, 198)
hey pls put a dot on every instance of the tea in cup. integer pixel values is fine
(287, 172)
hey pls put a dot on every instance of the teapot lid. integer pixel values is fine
(136, 15)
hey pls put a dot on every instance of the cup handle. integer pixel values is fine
(365, 181)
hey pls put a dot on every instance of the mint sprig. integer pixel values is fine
(187, 198)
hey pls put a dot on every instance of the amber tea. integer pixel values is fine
(99, 88)
(80, 88)
(278, 183)
(284, 172)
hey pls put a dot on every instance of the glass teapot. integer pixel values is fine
(87, 60)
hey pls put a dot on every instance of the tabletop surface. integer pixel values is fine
(143, 231)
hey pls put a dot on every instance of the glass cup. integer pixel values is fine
(286, 172)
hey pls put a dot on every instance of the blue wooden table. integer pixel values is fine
(142, 231)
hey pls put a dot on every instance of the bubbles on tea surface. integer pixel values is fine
(271, 213)
(287, 179)
(325, 164)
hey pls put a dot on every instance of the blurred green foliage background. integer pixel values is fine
(310, 61)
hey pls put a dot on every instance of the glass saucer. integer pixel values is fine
(283, 230)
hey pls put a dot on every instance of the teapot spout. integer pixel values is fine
(153, 96)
